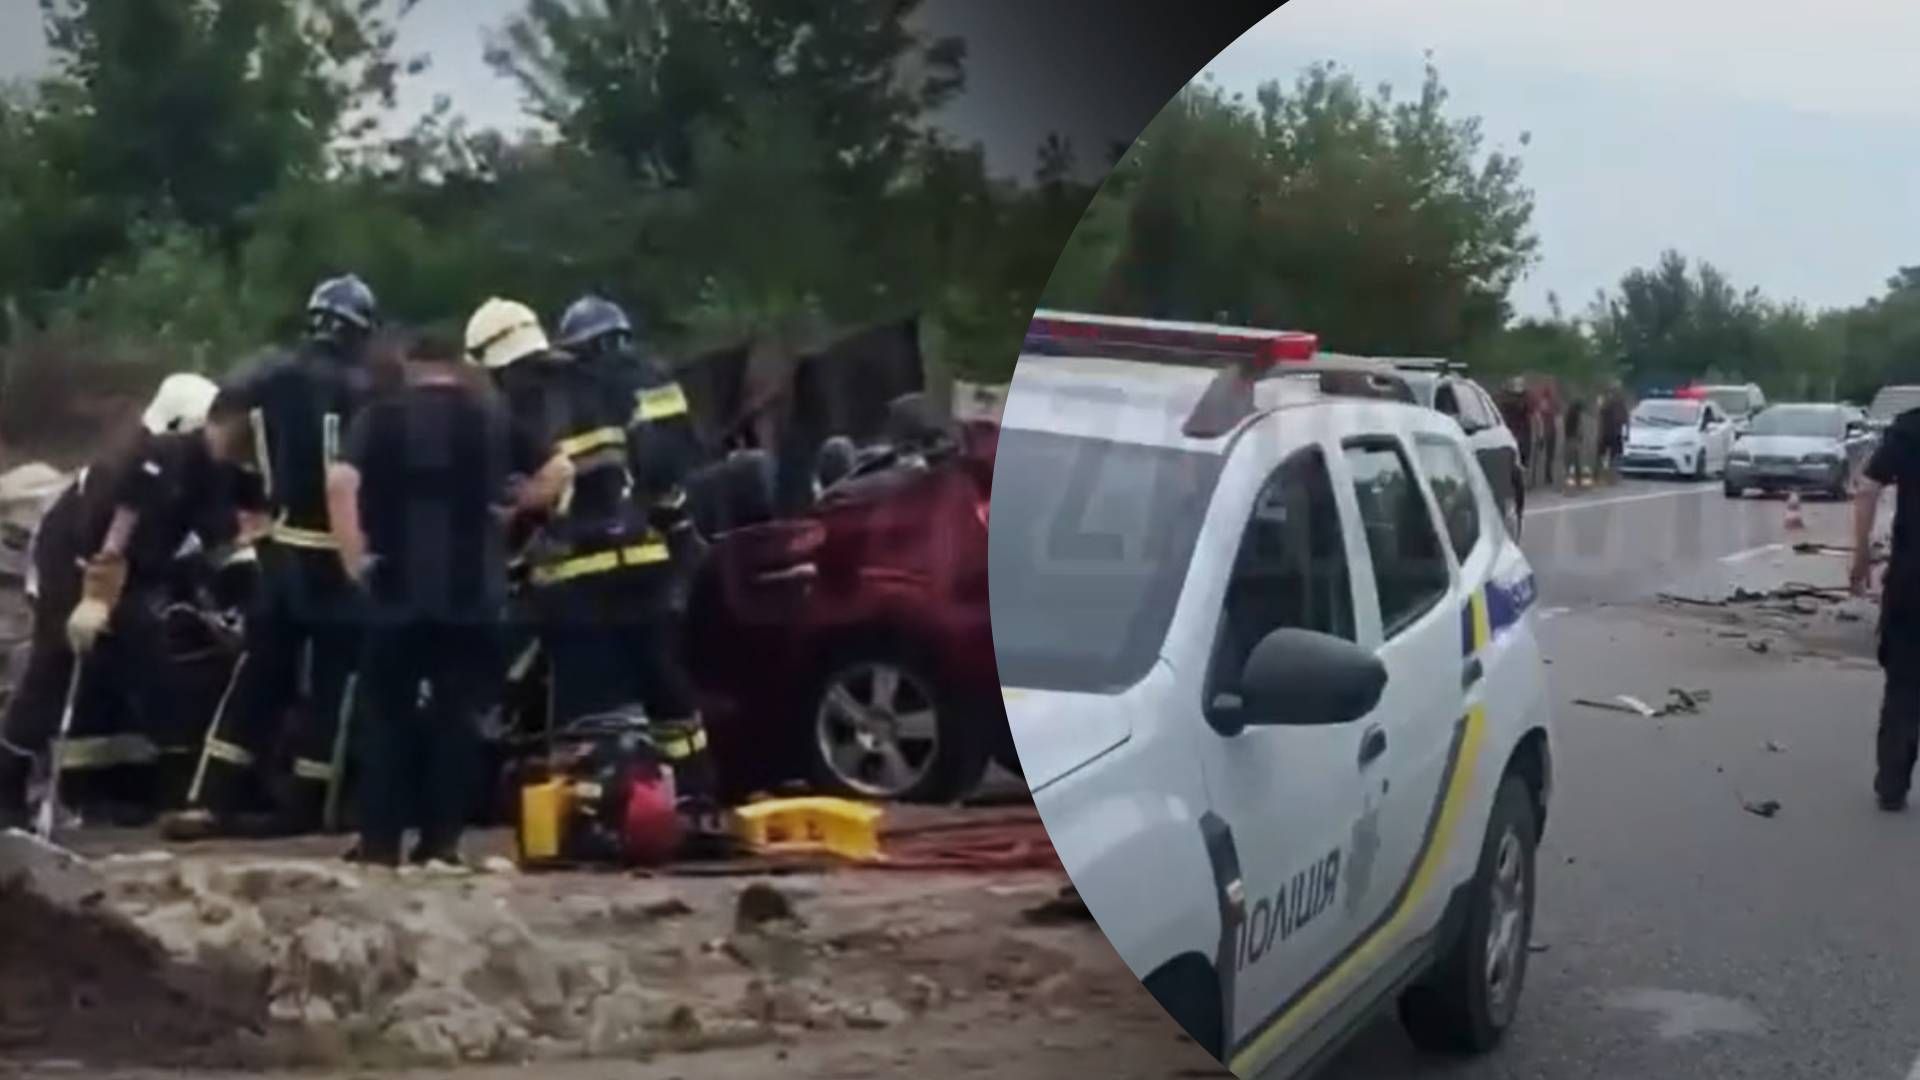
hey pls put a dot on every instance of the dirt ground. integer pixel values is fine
(297, 965)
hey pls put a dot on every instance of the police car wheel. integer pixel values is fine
(884, 729)
(1469, 1000)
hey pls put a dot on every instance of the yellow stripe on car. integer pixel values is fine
(1367, 957)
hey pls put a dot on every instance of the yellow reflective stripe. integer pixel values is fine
(676, 749)
(672, 500)
(319, 771)
(208, 748)
(600, 563)
(221, 750)
(1259, 1046)
(598, 439)
(262, 455)
(524, 664)
(659, 403)
(107, 752)
(312, 539)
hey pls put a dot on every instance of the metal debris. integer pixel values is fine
(1765, 809)
(1679, 702)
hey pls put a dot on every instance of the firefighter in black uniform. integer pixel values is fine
(303, 631)
(663, 449)
(103, 560)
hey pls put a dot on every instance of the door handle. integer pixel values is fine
(1475, 671)
(1372, 745)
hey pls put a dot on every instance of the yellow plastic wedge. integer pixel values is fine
(842, 827)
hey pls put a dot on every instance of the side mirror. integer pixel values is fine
(1301, 678)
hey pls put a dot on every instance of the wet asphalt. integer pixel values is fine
(1678, 935)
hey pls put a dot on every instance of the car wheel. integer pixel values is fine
(1700, 466)
(1190, 992)
(883, 728)
(1733, 490)
(1469, 1000)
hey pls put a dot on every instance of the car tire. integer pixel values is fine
(1700, 467)
(949, 769)
(1458, 1008)
(1733, 490)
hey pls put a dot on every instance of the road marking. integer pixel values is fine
(1554, 613)
(1615, 500)
(1751, 553)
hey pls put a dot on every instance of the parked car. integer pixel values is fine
(1811, 447)
(1444, 387)
(1890, 402)
(849, 645)
(1271, 663)
(1678, 436)
(1740, 403)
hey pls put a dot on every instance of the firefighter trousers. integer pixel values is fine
(284, 726)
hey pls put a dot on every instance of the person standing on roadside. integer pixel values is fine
(420, 500)
(1613, 434)
(1575, 441)
(1895, 464)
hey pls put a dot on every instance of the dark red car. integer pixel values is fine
(849, 644)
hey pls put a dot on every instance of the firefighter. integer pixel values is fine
(663, 450)
(303, 629)
(104, 556)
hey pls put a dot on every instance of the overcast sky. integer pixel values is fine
(1780, 142)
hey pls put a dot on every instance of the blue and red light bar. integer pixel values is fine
(1058, 333)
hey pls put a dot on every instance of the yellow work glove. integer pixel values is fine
(86, 624)
(103, 580)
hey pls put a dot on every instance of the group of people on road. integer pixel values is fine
(408, 501)
(1574, 441)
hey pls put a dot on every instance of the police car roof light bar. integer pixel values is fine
(1170, 342)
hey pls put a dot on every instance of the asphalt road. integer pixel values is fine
(1679, 935)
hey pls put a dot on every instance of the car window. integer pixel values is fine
(1451, 481)
(1291, 570)
(1494, 418)
(1410, 571)
(1472, 409)
(1088, 554)
(1445, 401)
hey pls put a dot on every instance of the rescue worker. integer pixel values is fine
(302, 632)
(104, 556)
(649, 601)
(1895, 463)
(417, 501)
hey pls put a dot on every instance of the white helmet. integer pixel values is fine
(181, 404)
(502, 332)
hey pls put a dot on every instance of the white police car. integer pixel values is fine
(1267, 653)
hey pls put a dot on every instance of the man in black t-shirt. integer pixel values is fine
(1897, 464)
(104, 556)
(419, 503)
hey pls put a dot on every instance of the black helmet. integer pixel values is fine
(591, 324)
(342, 311)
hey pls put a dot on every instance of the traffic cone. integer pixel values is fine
(1795, 522)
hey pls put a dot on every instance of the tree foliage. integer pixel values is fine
(1384, 224)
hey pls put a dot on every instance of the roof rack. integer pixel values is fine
(1242, 355)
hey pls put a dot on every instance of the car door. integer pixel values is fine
(1290, 794)
(1408, 589)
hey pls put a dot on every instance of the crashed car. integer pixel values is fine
(848, 645)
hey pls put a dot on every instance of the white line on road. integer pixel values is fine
(1615, 500)
(1554, 613)
(1751, 553)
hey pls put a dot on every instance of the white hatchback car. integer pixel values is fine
(1269, 660)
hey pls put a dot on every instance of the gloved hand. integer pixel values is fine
(86, 624)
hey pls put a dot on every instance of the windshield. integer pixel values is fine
(1733, 401)
(1810, 423)
(1893, 401)
(1662, 414)
(1088, 554)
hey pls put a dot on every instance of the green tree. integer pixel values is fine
(1383, 224)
